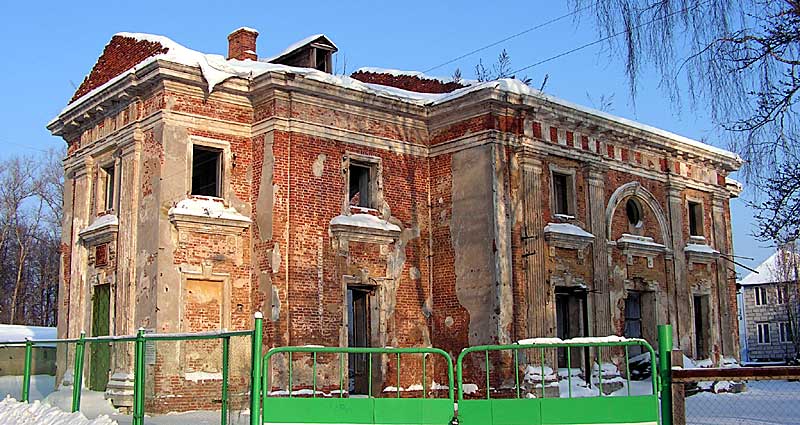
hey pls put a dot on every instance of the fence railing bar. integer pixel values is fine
(627, 372)
(569, 372)
(516, 372)
(398, 375)
(487, 376)
(341, 375)
(541, 350)
(424, 371)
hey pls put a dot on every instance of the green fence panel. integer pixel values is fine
(600, 410)
(562, 410)
(337, 409)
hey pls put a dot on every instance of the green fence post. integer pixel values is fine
(664, 372)
(77, 378)
(223, 420)
(138, 379)
(26, 373)
(255, 370)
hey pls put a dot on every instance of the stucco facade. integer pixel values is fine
(488, 214)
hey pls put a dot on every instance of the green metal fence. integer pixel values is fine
(333, 407)
(140, 340)
(302, 402)
(531, 405)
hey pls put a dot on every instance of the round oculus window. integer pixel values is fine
(633, 211)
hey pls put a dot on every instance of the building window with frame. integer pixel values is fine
(760, 295)
(763, 333)
(360, 185)
(563, 193)
(782, 292)
(206, 171)
(695, 219)
(109, 187)
(785, 329)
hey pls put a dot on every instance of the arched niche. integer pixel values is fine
(635, 189)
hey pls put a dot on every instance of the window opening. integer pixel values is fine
(760, 295)
(109, 188)
(783, 294)
(695, 219)
(206, 171)
(633, 212)
(763, 333)
(633, 320)
(360, 193)
(561, 194)
(785, 331)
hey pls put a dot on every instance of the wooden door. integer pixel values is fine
(100, 353)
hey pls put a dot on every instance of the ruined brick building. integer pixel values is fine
(381, 209)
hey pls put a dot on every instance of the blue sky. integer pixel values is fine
(47, 49)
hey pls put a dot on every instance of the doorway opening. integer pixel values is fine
(633, 320)
(358, 335)
(571, 322)
(701, 326)
(100, 354)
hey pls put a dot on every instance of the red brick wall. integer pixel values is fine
(119, 55)
(407, 82)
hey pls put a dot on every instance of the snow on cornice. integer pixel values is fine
(216, 69)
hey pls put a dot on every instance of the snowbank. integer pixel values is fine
(93, 403)
(41, 386)
(36, 413)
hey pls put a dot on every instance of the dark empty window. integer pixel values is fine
(562, 194)
(321, 59)
(633, 212)
(695, 219)
(109, 187)
(360, 188)
(206, 171)
(763, 333)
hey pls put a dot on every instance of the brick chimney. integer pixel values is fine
(242, 44)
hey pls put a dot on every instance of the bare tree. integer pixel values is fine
(788, 274)
(498, 70)
(740, 59)
(30, 215)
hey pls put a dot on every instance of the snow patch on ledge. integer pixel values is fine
(203, 207)
(364, 220)
(567, 229)
(203, 376)
(700, 249)
(102, 221)
(577, 340)
(638, 240)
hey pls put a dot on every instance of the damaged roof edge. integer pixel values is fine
(500, 89)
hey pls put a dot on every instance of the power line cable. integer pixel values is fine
(608, 37)
(533, 28)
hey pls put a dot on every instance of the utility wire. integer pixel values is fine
(554, 20)
(608, 37)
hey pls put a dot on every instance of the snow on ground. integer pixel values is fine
(41, 386)
(764, 402)
(93, 403)
(37, 413)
